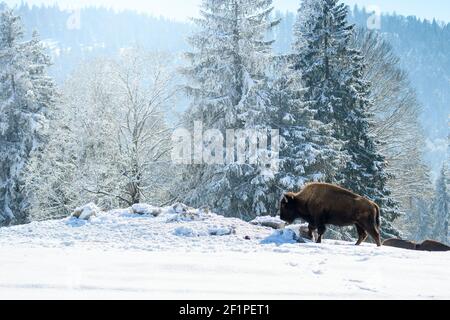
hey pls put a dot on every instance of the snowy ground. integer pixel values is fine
(197, 255)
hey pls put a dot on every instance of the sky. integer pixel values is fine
(183, 9)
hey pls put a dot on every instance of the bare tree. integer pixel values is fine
(396, 126)
(145, 91)
(111, 142)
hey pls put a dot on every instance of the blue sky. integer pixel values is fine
(182, 9)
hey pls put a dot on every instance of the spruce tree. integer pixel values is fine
(332, 72)
(308, 151)
(422, 220)
(227, 83)
(441, 208)
(26, 97)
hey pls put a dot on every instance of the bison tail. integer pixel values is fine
(378, 219)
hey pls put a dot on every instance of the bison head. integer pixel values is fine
(288, 208)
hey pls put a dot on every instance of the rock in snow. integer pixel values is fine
(283, 236)
(221, 231)
(86, 212)
(182, 213)
(181, 208)
(143, 208)
(185, 232)
(269, 221)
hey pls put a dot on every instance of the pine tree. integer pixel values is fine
(26, 97)
(308, 152)
(228, 86)
(333, 76)
(441, 208)
(422, 220)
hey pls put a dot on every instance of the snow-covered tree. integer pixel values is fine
(53, 174)
(308, 151)
(333, 74)
(27, 95)
(227, 81)
(419, 220)
(110, 143)
(396, 122)
(440, 207)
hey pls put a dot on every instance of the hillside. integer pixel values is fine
(99, 32)
(182, 253)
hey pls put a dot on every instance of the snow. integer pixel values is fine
(143, 208)
(120, 254)
(269, 221)
(221, 231)
(86, 212)
(281, 237)
(186, 232)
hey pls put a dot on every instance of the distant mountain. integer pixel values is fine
(423, 46)
(424, 49)
(92, 32)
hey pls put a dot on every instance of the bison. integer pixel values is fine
(399, 243)
(431, 245)
(320, 204)
(427, 245)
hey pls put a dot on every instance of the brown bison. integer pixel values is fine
(399, 243)
(320, 204)
(305, 233)
(431, 245)
(427, 245)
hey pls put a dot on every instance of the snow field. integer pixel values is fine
(184, 253)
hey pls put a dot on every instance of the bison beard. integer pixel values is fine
(320, 204)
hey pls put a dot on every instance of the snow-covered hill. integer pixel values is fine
(177, 252)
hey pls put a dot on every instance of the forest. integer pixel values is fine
(87, 111)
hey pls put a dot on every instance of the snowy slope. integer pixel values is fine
(190, 254)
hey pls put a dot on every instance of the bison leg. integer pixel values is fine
(362, 235)
(311, 229)
(375, 234)
(321, 230)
